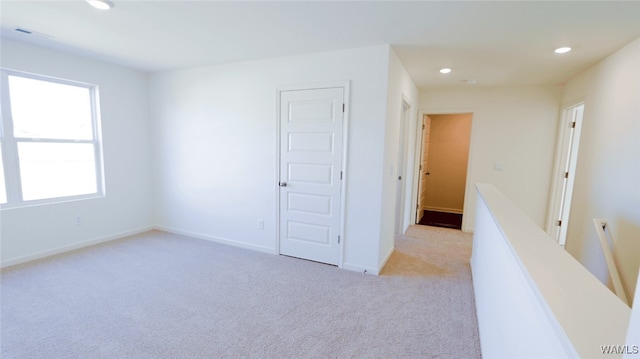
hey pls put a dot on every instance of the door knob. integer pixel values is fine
(283, 184)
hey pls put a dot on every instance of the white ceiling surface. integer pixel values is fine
(496, 43)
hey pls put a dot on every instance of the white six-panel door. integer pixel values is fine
(311, 130)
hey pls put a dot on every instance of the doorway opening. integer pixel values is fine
(442, 180)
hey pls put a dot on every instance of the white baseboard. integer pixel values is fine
(114, 236)
(74, 246)
(360, 269)
(220, 240)
(445, 210)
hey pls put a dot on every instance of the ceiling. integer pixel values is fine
(500, 43)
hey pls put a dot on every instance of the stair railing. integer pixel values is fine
(607, 244)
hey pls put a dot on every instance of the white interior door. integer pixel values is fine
(311, 140)
(568, 160)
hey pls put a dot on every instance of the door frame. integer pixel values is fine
(404, 127)
(422, 131)
(469, 188)
(345, 85)
(571, 142)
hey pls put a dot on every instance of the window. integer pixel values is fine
(49, 143)
(3, 191)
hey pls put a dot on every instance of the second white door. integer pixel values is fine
(311, 140)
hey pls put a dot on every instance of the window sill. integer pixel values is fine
(50, 201)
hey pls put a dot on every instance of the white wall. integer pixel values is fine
(31, 232)
(514, 127)
(608, 167)
(633, 333)
(400, 88)
(214, 135)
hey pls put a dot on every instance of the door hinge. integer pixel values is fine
(342, 107)
(338, 239)
(420, 167)
(340, 175)
(399, 178)
(566, 175)
(573, 124)
(423, 126)
(559, 223)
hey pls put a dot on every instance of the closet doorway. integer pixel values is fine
(444, 157)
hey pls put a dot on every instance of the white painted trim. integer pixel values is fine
(215, 239)
(345, 148)
(415, 186)
(313, 86)
(572, 102)
(360, 269)
(276, 181)
(74, 246)
(407, 169)
(346, 86)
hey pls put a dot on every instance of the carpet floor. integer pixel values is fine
(160, 295)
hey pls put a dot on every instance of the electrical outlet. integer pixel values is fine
(260, 224)
(78, 220)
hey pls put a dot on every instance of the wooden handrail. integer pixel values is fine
(607, 243)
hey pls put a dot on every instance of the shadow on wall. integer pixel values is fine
(626, 238)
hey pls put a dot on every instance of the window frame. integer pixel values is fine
(9, 143)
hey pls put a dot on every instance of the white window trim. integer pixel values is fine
(10, 144)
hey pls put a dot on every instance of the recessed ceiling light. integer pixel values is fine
(101, 4)
(562, 50)
(445, 70)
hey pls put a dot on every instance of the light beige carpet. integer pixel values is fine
(431, 252)
(159, 295)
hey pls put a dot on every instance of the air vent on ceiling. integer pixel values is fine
(26, 31)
